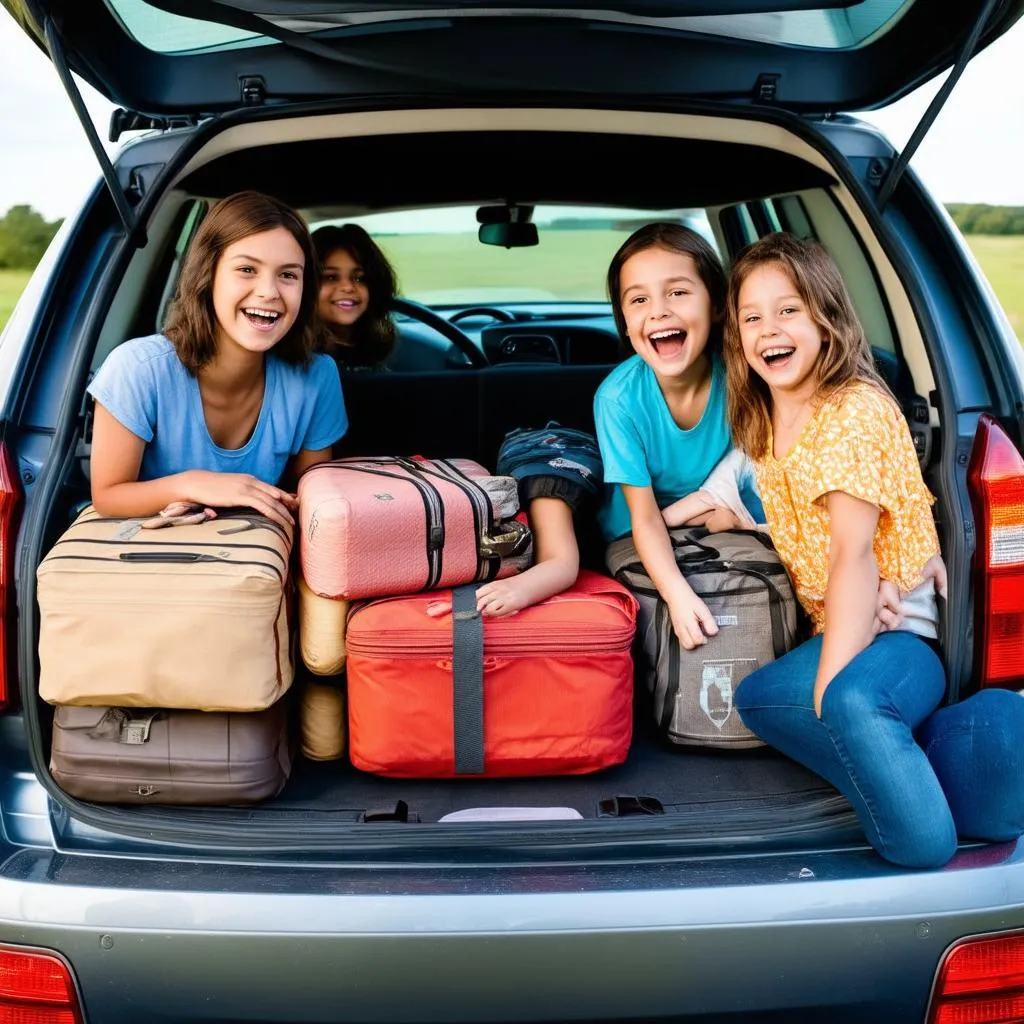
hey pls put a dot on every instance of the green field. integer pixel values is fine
(11, 284)
(567, 265)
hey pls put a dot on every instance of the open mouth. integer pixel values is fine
(261, 319)
(668, 343)
(777, 357)
(346, 304)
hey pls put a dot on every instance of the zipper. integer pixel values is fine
(165, 558)
(169, 544)
(483, 511)
(432, 504)
(499, 639)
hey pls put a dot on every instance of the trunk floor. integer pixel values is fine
(682, 779)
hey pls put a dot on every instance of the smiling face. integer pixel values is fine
(257, 290)
(344, 295)
(667, 311)
(781, 342)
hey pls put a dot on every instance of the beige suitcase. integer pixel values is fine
(193, 616)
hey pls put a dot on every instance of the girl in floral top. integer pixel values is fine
(846, 507)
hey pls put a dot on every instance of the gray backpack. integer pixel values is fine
(739, 576)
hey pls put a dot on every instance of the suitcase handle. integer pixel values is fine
(166, 556)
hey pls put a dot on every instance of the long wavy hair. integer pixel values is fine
(679, 239)
(191, 323)
(372, 336)
(845, 356)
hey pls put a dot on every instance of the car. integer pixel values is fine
(700, 886)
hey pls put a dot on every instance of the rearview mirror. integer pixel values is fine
(510, 236)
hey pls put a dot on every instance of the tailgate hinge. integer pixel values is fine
(136, 236)
(970, 44)
(122, 121)
(766, 88)
(252, 90)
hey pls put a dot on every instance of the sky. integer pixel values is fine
(973, 153)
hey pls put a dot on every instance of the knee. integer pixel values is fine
(930, 846)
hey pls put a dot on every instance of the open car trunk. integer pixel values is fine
(741, 172)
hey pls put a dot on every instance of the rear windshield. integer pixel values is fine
(830, 27)
(439, 260)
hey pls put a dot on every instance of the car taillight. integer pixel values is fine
(981, 981)
(996, 480)
(36, 988)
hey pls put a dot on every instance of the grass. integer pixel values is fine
(11, 284)
(455, 268)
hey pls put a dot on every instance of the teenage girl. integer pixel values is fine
(846, 505)
(229, 405)
(357, 285)
(661, 414)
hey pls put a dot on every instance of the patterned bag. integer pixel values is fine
(739, 576)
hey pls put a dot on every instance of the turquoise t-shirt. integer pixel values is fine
(146, 388)
(641, 444)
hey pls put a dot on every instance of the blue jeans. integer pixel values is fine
(963, 773)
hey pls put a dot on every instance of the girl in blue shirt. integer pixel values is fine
(229, 405)
(661, 415)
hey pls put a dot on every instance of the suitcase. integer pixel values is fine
(547, 691)
(372, 527)
(739, 576)
(321, 631)
(323, 722)
(146, 756)
(193, 617)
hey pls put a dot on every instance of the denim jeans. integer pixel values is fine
(915, 776)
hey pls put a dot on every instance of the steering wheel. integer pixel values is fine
(445, 328)
(491, 311)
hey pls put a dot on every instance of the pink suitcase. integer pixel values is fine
(381, 526)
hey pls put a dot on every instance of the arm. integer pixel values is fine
(691, 619)
(686, 510)
(852, 591)
(302, 461)
(556, 568)
(117, 491)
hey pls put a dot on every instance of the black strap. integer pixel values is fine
(467, 682)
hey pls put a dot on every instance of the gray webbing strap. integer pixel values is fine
(467, 681)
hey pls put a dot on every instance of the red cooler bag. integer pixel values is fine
(547, 691)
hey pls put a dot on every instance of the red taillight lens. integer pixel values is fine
(36, 988)
(996, 480)
(10, 507)
(981, 981)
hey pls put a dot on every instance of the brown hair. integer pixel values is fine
(679, 239)
(845, 354)
(191, 322)
(373, 334)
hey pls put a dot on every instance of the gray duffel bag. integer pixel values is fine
(739, 576)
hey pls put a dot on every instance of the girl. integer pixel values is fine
(228, 406)
(661, 415)
(846, 506)
(357, 285)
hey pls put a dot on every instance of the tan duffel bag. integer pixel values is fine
(190, 616)
(321, 631)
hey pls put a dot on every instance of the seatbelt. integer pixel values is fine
(467, 682)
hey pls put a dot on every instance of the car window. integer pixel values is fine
(440, 261)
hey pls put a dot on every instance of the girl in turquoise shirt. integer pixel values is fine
(661, 415)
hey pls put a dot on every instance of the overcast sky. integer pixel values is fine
(974, 152)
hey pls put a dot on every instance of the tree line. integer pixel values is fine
(25, 233)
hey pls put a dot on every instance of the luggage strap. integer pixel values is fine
(467, 681)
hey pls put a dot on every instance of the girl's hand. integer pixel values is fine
(692, 620)
(503, 597)
(888, 607)
(235, 490)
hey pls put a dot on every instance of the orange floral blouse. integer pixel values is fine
(857, 442)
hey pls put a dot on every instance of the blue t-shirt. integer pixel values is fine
(146, 388)
(642, 445)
